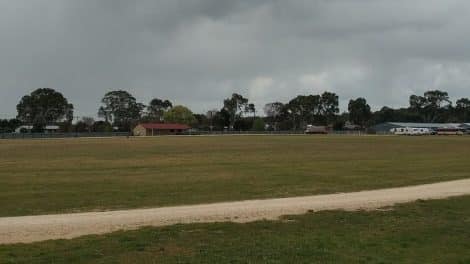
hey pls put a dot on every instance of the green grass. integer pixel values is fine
(53, 176)
(422, 232)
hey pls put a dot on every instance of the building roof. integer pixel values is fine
(25, 127)
(165, 126)
(426, 125)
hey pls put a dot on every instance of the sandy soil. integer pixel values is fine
(26, 229)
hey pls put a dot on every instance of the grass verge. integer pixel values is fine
(422, 232)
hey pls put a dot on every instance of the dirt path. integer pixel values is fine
(25, 229)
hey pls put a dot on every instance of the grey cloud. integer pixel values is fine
(198, 52)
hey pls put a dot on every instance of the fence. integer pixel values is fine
(189, 133)
(243, 132)
(287, 132)
(62, 135)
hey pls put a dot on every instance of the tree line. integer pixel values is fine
(119, 110)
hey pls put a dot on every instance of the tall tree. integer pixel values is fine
(385, 114)
(221, 120)
(417, 102)
(258, 124)
(251, 108)
(211, 115)
(88, 123)
(44, 106)
(9, 125)
(180, 114)
(463, 109)
(201, 122)
(235, 107)
(273, 109)
(329, 106)
(437, 99)
(102, 126)
(273, 112)
(302, 110)
(430, 106)
(121, 108)
(359, 112)
(157, 108)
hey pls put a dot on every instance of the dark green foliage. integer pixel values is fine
(432, 106)
(329, 107)
(359, 112)
(102, 126)
(303, 110)
(9, 125)
(463, 109)
(387, 114)
(84, 125)
(251, 109)
(221, 119)
(44, 106)
(235, 107)
(156, 109)
(121, 108)
(273, 112)
(243, 124)
(202, 122)
(258, 124)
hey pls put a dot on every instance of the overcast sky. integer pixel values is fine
(197, 52)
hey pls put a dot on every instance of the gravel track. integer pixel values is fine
(27, 229)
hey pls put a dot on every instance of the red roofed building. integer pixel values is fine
(155, 129)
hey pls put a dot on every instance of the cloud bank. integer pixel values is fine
(198, 52)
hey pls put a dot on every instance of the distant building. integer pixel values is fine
(24, 129)
(51, 129)
(311, 129)
(350, 126)
(155, 129)
(386, 127)
(29, 128)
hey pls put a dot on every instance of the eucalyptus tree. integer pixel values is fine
(44, 106)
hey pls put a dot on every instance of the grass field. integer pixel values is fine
(51, 176)
(422, 232)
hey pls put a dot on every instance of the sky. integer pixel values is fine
(198, 52)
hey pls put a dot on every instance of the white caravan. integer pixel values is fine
(411, 131)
